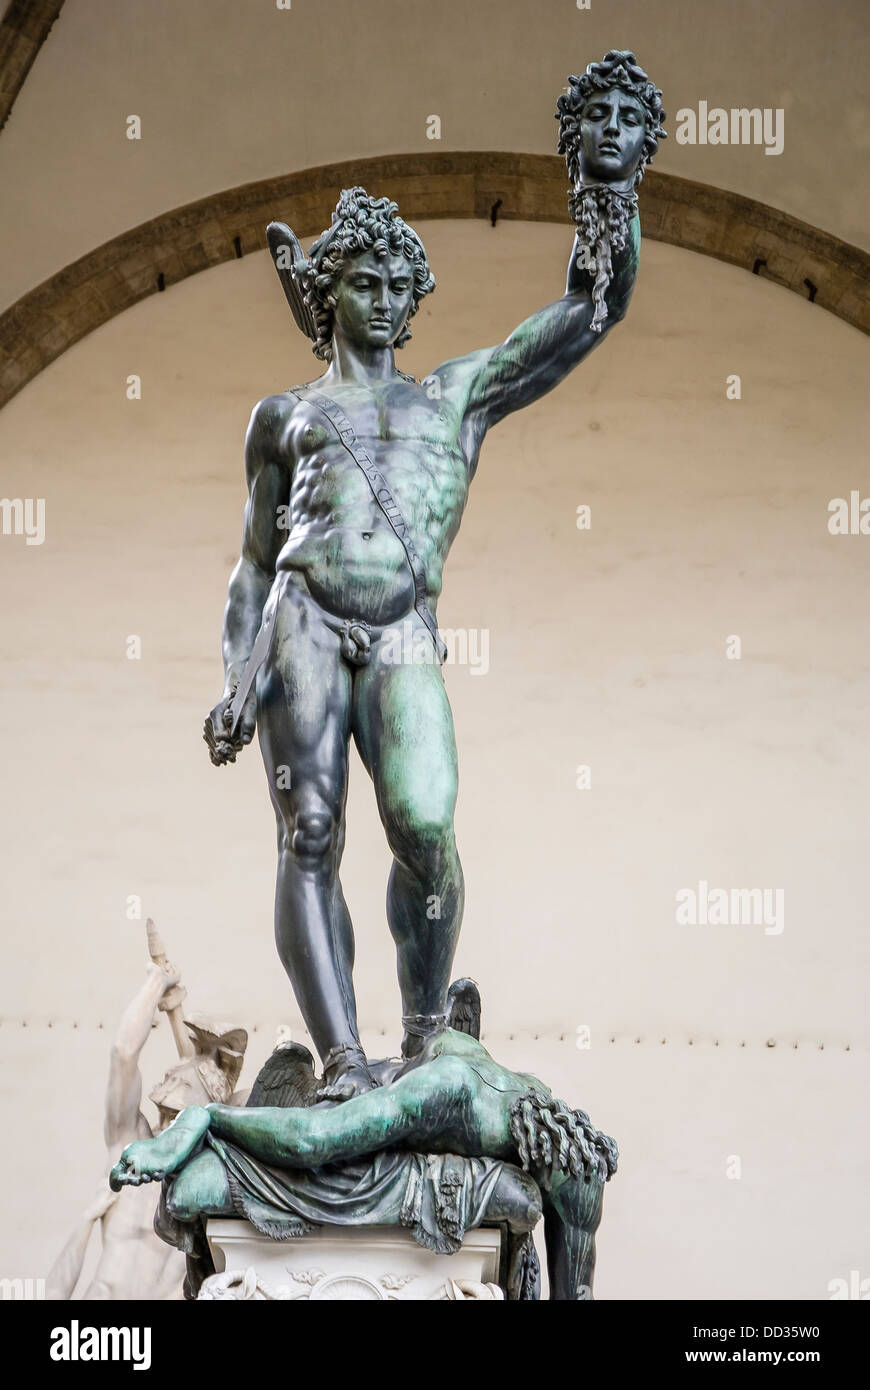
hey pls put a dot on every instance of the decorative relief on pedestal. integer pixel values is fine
(238, 1285)
(455, 1289)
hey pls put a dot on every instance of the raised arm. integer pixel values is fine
(268, 478)
(542, 350)
(124, 1090)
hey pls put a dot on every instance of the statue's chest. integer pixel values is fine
(411, 444)
(399, 416)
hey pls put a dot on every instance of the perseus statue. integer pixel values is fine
(357, 483)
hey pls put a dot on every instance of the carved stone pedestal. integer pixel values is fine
(364, 1262)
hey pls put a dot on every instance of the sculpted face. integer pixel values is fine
(373, 299)
(612, 130)
(193, 1081)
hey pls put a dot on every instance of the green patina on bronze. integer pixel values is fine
(324, 557)
(357, 484)
(453, 1099)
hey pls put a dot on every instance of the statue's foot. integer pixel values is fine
(419, 1028)
(345, 1074)
(385, 1069)
(145, 1160)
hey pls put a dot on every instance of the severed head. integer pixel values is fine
(610, 123)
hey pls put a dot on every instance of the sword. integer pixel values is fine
(259, 652)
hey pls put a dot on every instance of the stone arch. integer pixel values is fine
(145, 260)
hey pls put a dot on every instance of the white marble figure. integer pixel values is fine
(133, 1262)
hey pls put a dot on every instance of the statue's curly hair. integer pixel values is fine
(360, 223)
(552, 1138)
(618, 68)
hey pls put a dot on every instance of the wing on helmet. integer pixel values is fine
(291, 264)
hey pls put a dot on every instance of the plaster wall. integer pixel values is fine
(607, 647)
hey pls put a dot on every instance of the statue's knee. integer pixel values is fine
(424, 845)
(312, 834)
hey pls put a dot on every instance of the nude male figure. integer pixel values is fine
(339, 586)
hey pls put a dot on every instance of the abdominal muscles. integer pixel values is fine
(353, 572)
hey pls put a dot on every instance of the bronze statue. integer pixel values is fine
(357, 484)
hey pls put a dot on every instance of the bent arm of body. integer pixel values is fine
(572, 1214)
(541, 351)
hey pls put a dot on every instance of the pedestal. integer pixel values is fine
(362, 1262)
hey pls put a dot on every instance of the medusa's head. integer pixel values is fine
(365, 276)
(610, 122)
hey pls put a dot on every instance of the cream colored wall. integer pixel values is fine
(228, 93)
(607, 648)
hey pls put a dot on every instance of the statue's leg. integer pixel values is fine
(572, 1214)
(404, 731)
(435, 1101)
(200, 1189)
(304, 727)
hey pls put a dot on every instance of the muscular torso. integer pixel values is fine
(339, 538)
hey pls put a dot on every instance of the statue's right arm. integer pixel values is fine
(268, 471)
(268, 479)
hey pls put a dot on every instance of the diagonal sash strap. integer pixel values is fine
(389, 506)
(387, 503)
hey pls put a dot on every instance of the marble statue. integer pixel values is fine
(133, 1262)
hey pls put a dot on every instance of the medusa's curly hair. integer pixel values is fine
(552, 1138)
(360, 223)
(618, 68)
